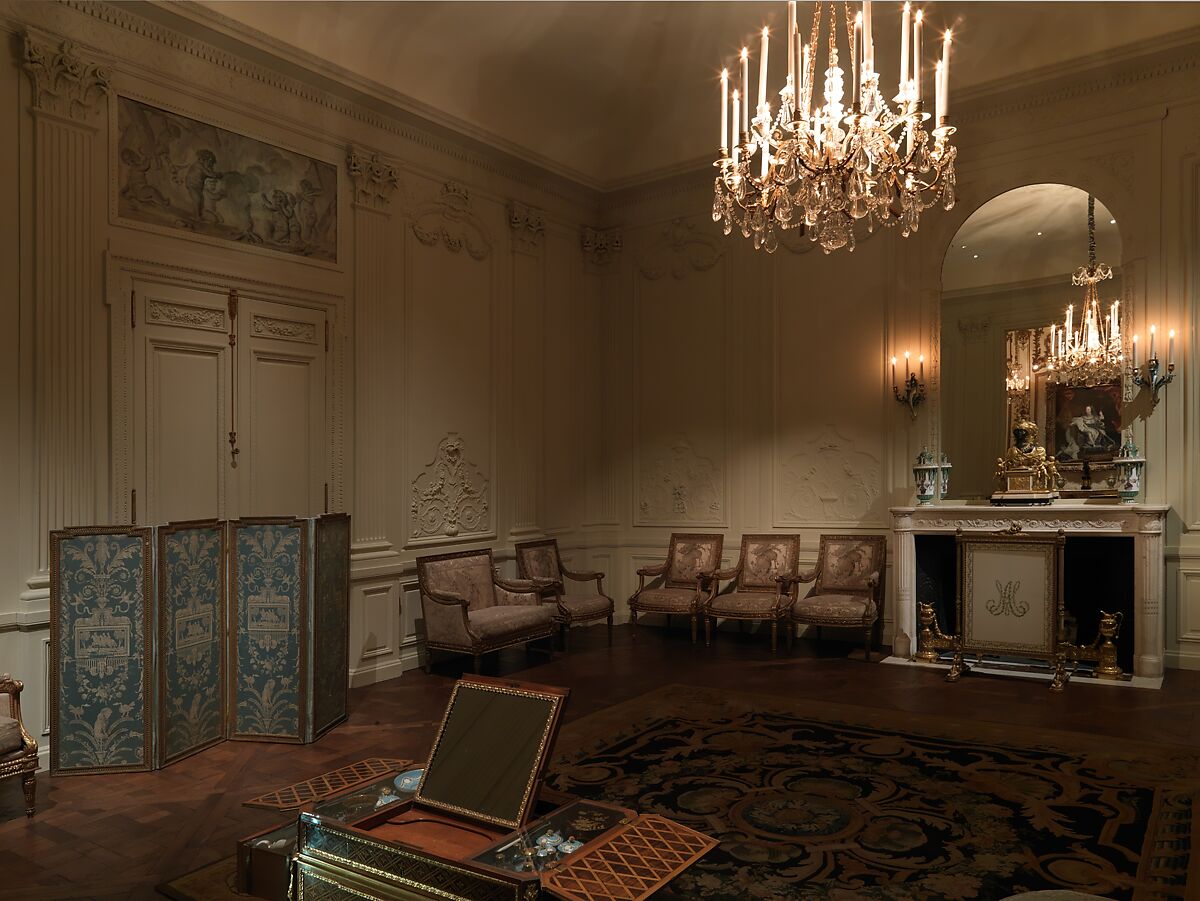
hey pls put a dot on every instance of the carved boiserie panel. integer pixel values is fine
(829, 480)
(450, 496)
(284, 329)
(681, 486)
(186, 315)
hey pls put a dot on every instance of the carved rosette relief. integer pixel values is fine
(600, 245)
(63, 82)
(680, 250)
(528, 226)
(450, 496)
(450, 221)
(829, 480)
(682, 486)
(974, 329)
(374, 180)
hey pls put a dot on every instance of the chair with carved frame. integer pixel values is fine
(686, 585)
(848, 589)
(763, 585)
(18, 750)
(469, 609)
(540, 563)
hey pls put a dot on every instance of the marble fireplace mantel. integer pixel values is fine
(1142, 522)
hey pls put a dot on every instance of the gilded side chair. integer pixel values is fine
(539, 562)
(469, 609)
(686, 585)
(763, 585)
(18, 750)
(848, 586)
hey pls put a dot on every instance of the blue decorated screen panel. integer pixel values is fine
(268, 639)
(100, 650)
(191, 609)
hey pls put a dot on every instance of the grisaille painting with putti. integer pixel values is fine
(179, 173)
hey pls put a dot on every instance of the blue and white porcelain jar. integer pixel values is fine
(926, 474)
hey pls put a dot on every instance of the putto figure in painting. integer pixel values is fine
(180, 173)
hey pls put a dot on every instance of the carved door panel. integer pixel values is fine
(180, 402)
(281, 413)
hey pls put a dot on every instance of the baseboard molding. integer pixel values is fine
(392, 669)
(1181, 660)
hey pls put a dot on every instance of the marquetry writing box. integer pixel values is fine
(469, 833)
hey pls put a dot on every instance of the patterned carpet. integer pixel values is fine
(818, 801)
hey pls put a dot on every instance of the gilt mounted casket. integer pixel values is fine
(479, 828)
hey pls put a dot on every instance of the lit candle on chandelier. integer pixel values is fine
(1135, 353)
(762, 67)
(745, 59)
(733, 138)
(905, 27)
(868, 39)
(791, 41)
(916, 51)
(805, 87)
(937, 90)
(945, 102)
(724, 109)
(854, 77)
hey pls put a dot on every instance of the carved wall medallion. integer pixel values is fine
(450, 496)
(679, 250)
(830, 480)
(450, 220)
(600, 245)
(374, 180)
(682, 486)
(974, 329)
(64, 82)
(186, 315)
(285, 329)
(528, 226)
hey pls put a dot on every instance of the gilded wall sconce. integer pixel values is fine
(1152, 379)
(914, 384)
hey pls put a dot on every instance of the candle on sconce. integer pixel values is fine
(745, 60)
(762, 67)
(893, 372)
(1135, 351)
(906, 372)
(921, 364)
(1171, 347)
(916, 54)
(724, 109)
(1153, 329)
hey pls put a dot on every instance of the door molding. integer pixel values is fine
(121, 275)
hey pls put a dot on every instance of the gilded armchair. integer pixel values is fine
(469, 609)
(540, 563)
(848, 589)
(763, 585)
(18, 750)
(686, 585)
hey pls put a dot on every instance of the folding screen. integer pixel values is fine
(167, 640)
(191, 611)
(102, 650)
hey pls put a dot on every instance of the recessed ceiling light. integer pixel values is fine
(964, 246)
(975, 257)
(1112, 221)
(1039, 234)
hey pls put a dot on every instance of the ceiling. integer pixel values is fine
(1027, 234)
(611, 93)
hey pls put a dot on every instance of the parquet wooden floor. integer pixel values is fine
(110, 837)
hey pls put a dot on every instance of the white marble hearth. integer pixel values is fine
(1142, 522)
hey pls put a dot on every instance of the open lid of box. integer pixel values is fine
(490, 750)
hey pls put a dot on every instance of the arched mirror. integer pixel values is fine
(1008, 351)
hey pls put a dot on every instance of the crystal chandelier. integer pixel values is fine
(821, 166)
(1091, 353)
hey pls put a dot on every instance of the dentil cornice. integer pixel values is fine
(64, 82)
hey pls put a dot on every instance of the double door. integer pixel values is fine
(229, 410)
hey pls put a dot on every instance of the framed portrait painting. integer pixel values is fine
(1010, 597)
(1084, 423)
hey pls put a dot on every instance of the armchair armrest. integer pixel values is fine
(446, 618)
(13, 688)
(658, 570)
(517, 591)
(446, 598)
(722, 574)
(582, 576)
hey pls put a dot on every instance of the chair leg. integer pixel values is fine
(790, 635)
(708, 627)
(29, 784)
(695, 629)
(632, 623)
(610, 618)
(870, 635)
(566, 637)
(478, 662)
(774, 635)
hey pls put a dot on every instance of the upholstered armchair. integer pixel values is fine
(763, 585)
(848, 589)
(469, 609)
(685, 585)
(18, 751)
(540, 563)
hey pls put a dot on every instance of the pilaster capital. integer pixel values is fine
(600, 245)
(528, 226)
(374, 179)
(64, 82)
